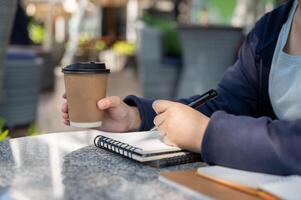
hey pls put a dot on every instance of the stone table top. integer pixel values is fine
(68, 166)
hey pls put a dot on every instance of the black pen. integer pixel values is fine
(201, 100)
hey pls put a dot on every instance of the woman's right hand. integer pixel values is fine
(118, 116)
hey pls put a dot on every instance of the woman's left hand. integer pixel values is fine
(180, 125)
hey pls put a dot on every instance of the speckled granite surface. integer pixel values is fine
(68, 166)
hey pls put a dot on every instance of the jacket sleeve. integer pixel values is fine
(236, 136)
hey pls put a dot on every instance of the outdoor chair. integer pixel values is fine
(7, 14)
(21, 87)
(207, 53)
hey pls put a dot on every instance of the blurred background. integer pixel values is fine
(165, 49)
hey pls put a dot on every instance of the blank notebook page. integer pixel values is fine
(250, 179)
(148, 142)
(284, 187)
(288, 188)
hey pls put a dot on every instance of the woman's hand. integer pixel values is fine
(118, 116)
(180, 125)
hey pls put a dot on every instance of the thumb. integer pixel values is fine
(161, 106)
(109, 102)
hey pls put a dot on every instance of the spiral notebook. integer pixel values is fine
(146, 147)
(216, 182)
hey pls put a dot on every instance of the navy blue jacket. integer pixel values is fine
(243, 131)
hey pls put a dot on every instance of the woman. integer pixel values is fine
(254, 124)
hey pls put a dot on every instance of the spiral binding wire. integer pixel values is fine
(115, 146)
(128, 151)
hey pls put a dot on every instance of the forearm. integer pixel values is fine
(257, 144)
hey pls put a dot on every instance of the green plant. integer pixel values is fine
(223, 9)
(100, 45)
(170, 39)
(3, 133)
(36, 32)
(33, 130)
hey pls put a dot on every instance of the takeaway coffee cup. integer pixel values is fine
(85, 84)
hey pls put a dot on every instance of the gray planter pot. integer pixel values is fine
(47, 71)
(157, 78)
(7, 14)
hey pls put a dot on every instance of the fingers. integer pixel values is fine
(109, 102)
(65, 114)
(162, 125)
(64, 108)
(163, 132)
(162, 129)
(67, 122)
(168, 142)
(159, 119)
(161, 106)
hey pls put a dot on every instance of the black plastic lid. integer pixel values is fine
(86, 67)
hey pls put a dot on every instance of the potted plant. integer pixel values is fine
(3, 133)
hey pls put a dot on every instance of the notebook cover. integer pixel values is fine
(203, 186)
(178, 160)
